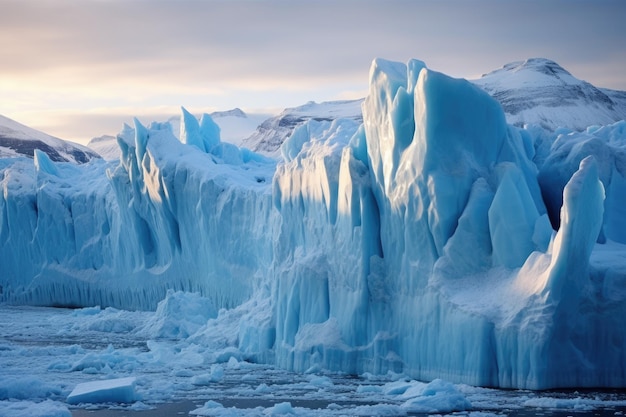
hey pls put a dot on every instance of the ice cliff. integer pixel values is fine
(122, 233)
(433, 239)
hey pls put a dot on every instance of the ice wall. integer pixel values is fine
(166, 216)
(326, 248)
(423, 246)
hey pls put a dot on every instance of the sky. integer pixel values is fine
(79, 69)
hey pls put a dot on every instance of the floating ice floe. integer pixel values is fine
(119, 390)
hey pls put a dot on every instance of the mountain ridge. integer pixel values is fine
(17, 140)
(539, 91)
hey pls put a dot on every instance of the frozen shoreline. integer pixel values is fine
(36, 341)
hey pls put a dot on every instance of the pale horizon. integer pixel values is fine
(80, 70)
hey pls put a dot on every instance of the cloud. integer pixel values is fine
(227, 41)
(224, 40)
(87, 55)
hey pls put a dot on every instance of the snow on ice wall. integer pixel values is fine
(417, 242)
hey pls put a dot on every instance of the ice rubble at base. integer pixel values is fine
(46, 408)
(414, 397)
(168, 371)
(419, 242)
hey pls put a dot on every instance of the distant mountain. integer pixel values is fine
(17, 139)
(106, 146)
(539, 91)
(618, 97)
(273, 132)
(536, 91)
(235, 125)
(236, 112)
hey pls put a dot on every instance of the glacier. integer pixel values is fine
(120, 234)
(432, 239)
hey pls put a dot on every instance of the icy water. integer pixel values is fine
(46, 352)
(245, 406)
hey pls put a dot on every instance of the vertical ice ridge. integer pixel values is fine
(141, 140)
(210, 132)
(205, 135)
(581, 222)
(190, 130)
(512, 219)
(44, 164)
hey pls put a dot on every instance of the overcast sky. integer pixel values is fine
(78, 69)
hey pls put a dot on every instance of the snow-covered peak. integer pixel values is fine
(106, 146)
(534, 72)
(327, 109)
(17, 139)
(541, 92)
(236, 112)
(274, 131)
(20, 131)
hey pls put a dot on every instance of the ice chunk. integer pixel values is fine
(216, 375)
(25, 387)
(577, 404)
(121, 390)
(436, 397)
(180, 315)
(280, 409)
(210, 408)
(45, 408)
